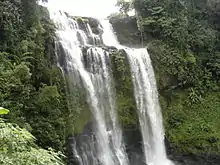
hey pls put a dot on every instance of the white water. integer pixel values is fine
(146, 96)
(95, 73)
(149, 112)
(97, 80)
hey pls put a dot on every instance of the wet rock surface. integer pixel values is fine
(127, 31)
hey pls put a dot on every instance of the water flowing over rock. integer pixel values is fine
(149, 112)
(146, 97)
(81, 54)
(106, 144)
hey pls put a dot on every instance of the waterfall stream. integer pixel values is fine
(146, 96)
(149, 112)
(92, 67)
(95, 74)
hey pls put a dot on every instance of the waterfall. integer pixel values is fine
(146, 96)
(149, 112)
(91, 64)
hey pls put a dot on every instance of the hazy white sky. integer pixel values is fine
(92, 8)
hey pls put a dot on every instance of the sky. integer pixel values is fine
(90, 8)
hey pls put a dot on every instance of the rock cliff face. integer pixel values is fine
(127, 31)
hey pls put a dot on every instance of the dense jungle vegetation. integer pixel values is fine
(182, 37)
(31, 86)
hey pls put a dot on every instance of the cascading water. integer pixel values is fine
(105, 146)
(95, 74)
(149, 112)
(146, 96)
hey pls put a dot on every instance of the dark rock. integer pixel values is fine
(95, 25)
(72, 160)
(189, 158)
(61, 56)
(133, 141)
(84, 142)
(82, 24)
(127, 31)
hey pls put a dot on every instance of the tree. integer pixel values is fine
(17, 146)
(124, 6)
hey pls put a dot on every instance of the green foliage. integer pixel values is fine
(193, 128)
(124, 90)
(32, 86)
(3, 111)
(17, 147)
(182, 44)
(46, 118)
(15, 89)
(124, 6)
(183, 40)
(11, 24)
(78, 110)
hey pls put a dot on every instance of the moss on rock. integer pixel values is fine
(78, 114)
(125, 101)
